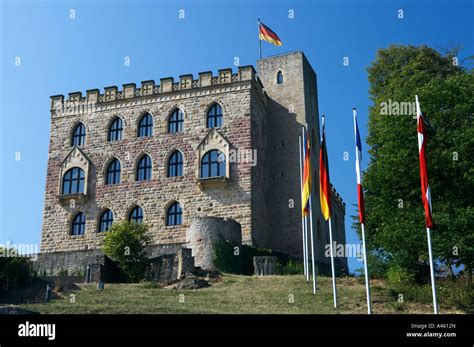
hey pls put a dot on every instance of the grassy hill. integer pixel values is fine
(236, 294)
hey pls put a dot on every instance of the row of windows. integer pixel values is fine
(213, 164)
(145, 125)
(78, 226)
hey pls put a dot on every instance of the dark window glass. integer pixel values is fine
(113, 172)
(214, 116)
(174, 215)
(213, 164)
(136, 215)
(279, 77)
(106, 220)
(176, 120)
(144, 169)
(73, 181)
(115, 130)
(145, 127)
(175, 164)
(79, 135)
(78, 226)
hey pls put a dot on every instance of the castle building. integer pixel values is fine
(162, 154)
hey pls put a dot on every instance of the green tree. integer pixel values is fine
(14, 269)
(395, 217)
(126, 243)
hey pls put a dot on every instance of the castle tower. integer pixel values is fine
(291, 85)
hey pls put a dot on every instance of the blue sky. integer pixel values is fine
(61, 55)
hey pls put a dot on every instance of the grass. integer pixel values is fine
(235, 294)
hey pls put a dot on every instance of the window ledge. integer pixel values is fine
(213, 182)
(66, 198)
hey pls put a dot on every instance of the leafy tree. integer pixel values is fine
(395, 217)
(14, 269)
(126, 243)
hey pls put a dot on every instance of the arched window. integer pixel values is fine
(213, 164)
(144, 169)
(113, 172)
(73, 181)
(175, 164)
(79, 135)
(175, 122)
(78, 226)
(115, 130)
(145, 127)
(106, 220)
(214, 116)
(174, 214)
(136, 215)
(279, 77)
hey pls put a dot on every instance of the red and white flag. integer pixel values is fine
(425, 187)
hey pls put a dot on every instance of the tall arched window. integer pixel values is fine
(174, 214)
(279, 77)
(78, 225)
(116, 129)
(145, 127)
(136, 215)
(214, 116)
(73, 181)
(175, 122)
(113, 172)
(79, 135)
(175, 164)
(213, 164)
(144, 169)
(106, 220)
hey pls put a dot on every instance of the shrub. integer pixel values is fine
(397, 276)
(126, 244)
(226, 259)
(14, 270)
(291, 268)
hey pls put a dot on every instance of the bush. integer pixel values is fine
(126, 244)
(291, 268)
(397, 276)
(226, 259)
(14, 270)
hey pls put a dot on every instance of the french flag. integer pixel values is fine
(360, 192)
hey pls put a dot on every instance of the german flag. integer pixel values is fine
(306, 188)
(324, 186)
(267, 34)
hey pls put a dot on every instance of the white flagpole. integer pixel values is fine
(433, 285)
(333, 270)
(313, 256)
(302, 217)
(362, 224)
(305, 223)
(367, 285)
(421, 140)
(331, 248)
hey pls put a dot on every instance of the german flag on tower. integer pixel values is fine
(267, 34)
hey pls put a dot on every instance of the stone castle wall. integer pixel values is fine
(154, 196)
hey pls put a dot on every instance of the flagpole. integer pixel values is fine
(305, 224)
(362, 224)
(425, 188)
(333, 270)
(302, 216)
(366, 270)
(259, 40)
(433, 285)
(313, 256)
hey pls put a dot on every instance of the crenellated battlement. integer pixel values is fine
(167, 85)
